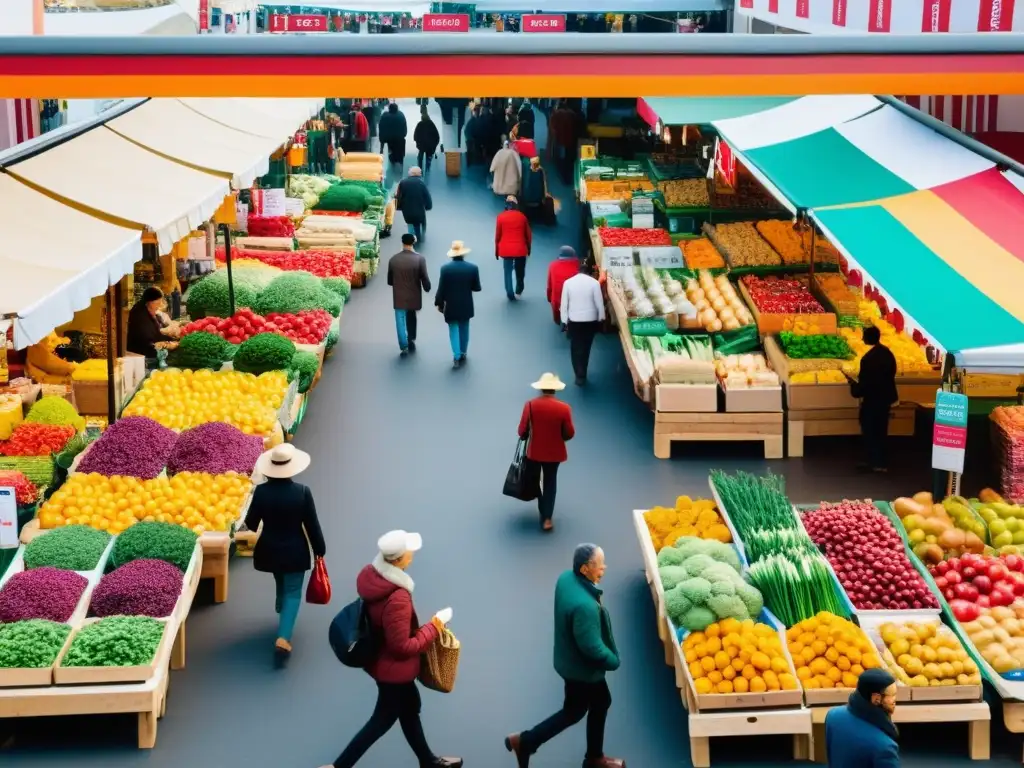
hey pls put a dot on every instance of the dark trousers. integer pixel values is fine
(545, 473)
(396, 702)
(396, 151)
(517, 265)
(874, 430)
(422, 156)
(590, 700)
(581, 339)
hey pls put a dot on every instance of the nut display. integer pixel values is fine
(786, 241)
(685, 193)
(744, 246)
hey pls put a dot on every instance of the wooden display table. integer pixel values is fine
(831, 422)
(699, 427)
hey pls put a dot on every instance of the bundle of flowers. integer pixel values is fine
(70, 548)
(31, 644)
(56, 411)
(139, 588)
(118, 641)
(25, 491)
(41, 593)
(36, 439)
(216, 448)
(270, 226)
(154, 541)
(135, 446)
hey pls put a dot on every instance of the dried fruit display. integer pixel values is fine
(838, 293)
(1008, 439)
(743, 246)
(783, 237)
(685, 193)
(700, 253)
(781, 296)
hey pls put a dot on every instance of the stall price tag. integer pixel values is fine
(647, 326)
(617, 258)
(643, 221)
(661, 257)
(543, 22)
(949, 435)
(8, 518)
(604, 210)
(242, 217)
(446, 22)
(293, 206)
(588, 152)
(274, 202)
(298, 22)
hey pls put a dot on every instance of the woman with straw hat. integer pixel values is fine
(460, 279)
(290, 529)
(546, 425)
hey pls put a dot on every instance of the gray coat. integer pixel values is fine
(407, 275)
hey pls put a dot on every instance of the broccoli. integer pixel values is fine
(697, 589)
(722, 588)
(670, 556)
(672, 575)
(697, 619)
(751, 598)
(728, 606)
(697, 564)
(691, 545)
(677, 604)
(725, 553)
(721, 572)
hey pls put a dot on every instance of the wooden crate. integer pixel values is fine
(832, 422)
(33, 678)
(700, 427)
(108, 675)
(773, 323)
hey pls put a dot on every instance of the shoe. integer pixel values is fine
(403, 352)
(519, 290)
(443, 762)
(547, 526)
(581, 380)
(412, 346)
(457, 363)
(511, 296)
(282, 647)
(513, 744)
(604, 762)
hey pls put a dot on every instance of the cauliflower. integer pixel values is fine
(724, 553)
(706, 518)
(751, 598)
(697, 619)
(697, 564)
(728, 606)
(670, 556)
(696, 589)
(683, 502)
(718, 532)
(660, 520)
(677, 604)
(672, 575)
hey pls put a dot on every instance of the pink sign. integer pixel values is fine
(746, 3)
(803, 9)
(880, 19)
(773, 6)
(298, 23)
(995, 16)
(946, 436)
(446, 22)
(543, 22)
(204, 15)
(839, 13)
(936, 15)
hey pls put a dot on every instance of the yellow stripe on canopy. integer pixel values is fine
(990, 268)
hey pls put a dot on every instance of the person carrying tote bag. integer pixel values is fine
(547, 421)
(440, 664)
(521, 482)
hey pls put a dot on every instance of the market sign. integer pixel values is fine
(647, 326)
(660, 257)
(446, 22)
(725, 163)
(204, 15)
(298, 23)
(8, 518)
(617, 257)
(949, 435)
(543, 22)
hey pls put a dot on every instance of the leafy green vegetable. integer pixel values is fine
(812, 346)
(71, 548)
(31, 644)
(344, 197)
(201, 349)
(156, 541)
(338, 285)
(118, 641)
(294, 292)
(264, 352)
(209, 296)
(305, 365)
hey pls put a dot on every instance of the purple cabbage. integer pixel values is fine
(138, 588)
(216, 448)
(131, 447)
(42, 593)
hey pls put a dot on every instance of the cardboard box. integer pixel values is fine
(91, 396)
(753, 400)
(686, 398)
(812, 397)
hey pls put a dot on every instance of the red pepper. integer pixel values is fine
(616, 236)
(270, 226)
(307, 327)
(319, 263)
(32, 439)
(781, 296)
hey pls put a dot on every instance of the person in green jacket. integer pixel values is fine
(584, 651)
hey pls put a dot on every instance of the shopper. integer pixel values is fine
(862, 733)
(145, 330)
(426, 138)
(562, 140)
(526, 113)
(392, 132)
(876, 388)
(459, 280)
(582, 313)
(546, 425)
(474, 133)
(290, 529)
(408, 278)
(508, 171)
(369, 111)
(584, 652)
(561, 269)
(358, 130)
(513, 241)
(413, 199)
(386, 591)
(534, 190)
(493, 128)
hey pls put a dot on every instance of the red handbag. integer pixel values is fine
(318, 591)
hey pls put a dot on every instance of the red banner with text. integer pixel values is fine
(299, 22)
(446, 22)
(773, 6)
(746, 3)
(936, 15)
(725, 164)
(204, 15)
(543, 22)
(803, 9)
(880, 19)
(995, 16)
(839, 13)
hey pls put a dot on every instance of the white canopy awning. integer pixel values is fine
(54, 259)
(793, 120)
(270, 118)
(150, 192)
(168, 127)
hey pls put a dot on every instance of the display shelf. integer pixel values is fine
(833, 422)
(707, 427)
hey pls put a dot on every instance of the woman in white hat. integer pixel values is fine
(460, 279)
(547, 426)
(290, 528)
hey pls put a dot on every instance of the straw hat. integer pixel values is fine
(458, 249)
(282, 461)
(549, 381)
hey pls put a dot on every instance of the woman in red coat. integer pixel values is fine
(561, 269)
(513, 240)
(547, 425)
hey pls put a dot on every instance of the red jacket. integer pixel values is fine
(392, 615)
(549, 422)
(559, 271)
(361, 129)
(512, 235)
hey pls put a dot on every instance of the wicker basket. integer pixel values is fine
(453, 164)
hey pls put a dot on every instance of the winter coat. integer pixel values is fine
(425, 137)
(459, 281)
(547, 422)
(853, 742)
(507, 172)
(288, 514)
(387, 594)
(392, 127)
(407, 275)
(512, 236)
(526, 114)
(559, 271)
(413, 199)
(535, 186)
(370, 113)
(584, 645)
(144, 331)
(876, 384)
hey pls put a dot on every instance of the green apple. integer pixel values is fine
(1003, 539)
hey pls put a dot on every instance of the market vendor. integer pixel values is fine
(144, 328)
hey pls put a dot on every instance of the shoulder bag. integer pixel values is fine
(519, 482)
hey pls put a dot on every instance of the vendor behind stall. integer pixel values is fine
(145, 329)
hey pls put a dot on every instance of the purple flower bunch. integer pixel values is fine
(41, 593)
(131, 447)
(216, 448)
(139, 588)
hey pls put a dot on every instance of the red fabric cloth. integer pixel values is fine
(526, 148)
(559, 271)
(550, 424)
(393, 616)
(512, 235)
(361, 130)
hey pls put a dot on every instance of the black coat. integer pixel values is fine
(459, 281)
(413, 199)
(392, 127)
(425, 137)
(144, 331)
(876, 385)
(407, 276)
(370, 113)
(288, 515)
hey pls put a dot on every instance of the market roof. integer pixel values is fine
(54, 259)
(705, 110)
(149, 192)
(171, 129)
(270, 118)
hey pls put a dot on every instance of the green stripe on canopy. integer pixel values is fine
(702, 111)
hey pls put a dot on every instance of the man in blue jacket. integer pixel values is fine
(862, 734)
(584, 651)
(459, 280)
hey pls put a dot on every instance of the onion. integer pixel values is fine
(718, 304)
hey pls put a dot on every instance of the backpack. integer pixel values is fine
(351, 636)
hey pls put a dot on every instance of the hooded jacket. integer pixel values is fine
(387, 594)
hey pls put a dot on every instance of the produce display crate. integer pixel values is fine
(753, 399)
(39, 469)
(113, 675)
(832, 422)
(773, 323)
(686, 398)
(705, 427)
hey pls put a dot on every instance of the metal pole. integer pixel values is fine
(111, 404)
(227, 258)
(814, 236)
(119, 319)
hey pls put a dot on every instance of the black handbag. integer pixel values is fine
(519, 480)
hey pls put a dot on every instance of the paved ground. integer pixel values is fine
(412, 444)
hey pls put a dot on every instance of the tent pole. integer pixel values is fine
(119, 318)
(227, 258)
(111, 330)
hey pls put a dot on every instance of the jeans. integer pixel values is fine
(405, 324)
(458, 335)
(874, 430)
(590, 700)
(287, 602)
(396, 702)
(546, 473)
(519, 265)
(421, 156)
(581, 339)
(418, 228)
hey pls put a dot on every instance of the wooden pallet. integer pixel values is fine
(700, 427)
(833, 422)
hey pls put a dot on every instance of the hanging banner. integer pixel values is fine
(995, 16)
(773, 6)
(949, 435)
(880, 18)
(936, 15)
(446, 22)
(543, 22)
(298, 23)
(204, 15)
(839, 13)
(725, 163)
(803, 9)
(746, 3)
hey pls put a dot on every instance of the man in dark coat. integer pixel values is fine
(876, 388)
(426, 138)
(459, 281)
(413, 199)
(584, 651)
(392, 131)
(862, 733)
(407, 276)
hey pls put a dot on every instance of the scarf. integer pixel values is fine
(863, 709)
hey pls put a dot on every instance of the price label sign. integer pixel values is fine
(543, 22)
(8, 518)
(604, 210)
(617, 258)
(446, 22)
(588, 151)
(274, 202)
(298, 22)
(643, 221)
(949, 435)
(293, 206)
(241, 217)
(647, 326)
(661, 257)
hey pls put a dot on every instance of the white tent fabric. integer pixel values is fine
(270, 118)
(54, 259)
(1015, 179)
(912, 151)
(793, 120)
(168, 127)
(161, 195)
(1006, 359)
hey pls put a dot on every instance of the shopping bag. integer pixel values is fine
(439, 664)
(519, 483)
(318, 591)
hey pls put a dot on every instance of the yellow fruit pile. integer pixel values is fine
(195, 500)
(910, 356)
(830, 376)
(998, 634)
(830, 652)
(738, 657)
(90, 370)
(688, 518)
(928, 655)
(181, 399)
